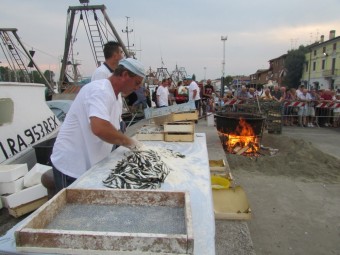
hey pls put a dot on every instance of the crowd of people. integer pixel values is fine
(299, 106)
(93, 126)
(186, 90)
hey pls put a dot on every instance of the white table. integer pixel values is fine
(189, 174)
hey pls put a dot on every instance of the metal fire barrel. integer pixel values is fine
(227, 122)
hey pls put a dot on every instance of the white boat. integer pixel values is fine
(25, 121)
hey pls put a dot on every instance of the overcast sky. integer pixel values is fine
(183, 32)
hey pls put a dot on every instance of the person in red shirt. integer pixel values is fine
(325, 113)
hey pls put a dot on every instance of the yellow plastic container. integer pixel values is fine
(219, 182)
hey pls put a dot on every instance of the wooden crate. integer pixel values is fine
(150, 137)
(178, 116)
(183, 116)
(179, 127)
(179, 137)
(79, 234)
(218, 165)
(27, 208)
(150, 133)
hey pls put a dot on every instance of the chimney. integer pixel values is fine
(322, 38)
(331, 34)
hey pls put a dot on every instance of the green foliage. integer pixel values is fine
(294, 66)
(228, 80)
(7, 74)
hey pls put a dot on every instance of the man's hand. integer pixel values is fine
(135, 145)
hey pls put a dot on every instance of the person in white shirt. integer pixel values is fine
(194, 91)
(163, 94)
(92, 123)
(304, 111)
(113, 53)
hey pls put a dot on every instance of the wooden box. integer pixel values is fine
(150, 133)
(218, 165)
(179, 127)
(178, 116)
(179, 137)
(184, 116)
(106, 221)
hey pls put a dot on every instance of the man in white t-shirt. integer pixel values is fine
(163, 94)
(194, 91)
(113, 53)
(92, 124)
(304, 111)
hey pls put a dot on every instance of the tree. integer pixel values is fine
(227, 80)
(49, 75)
(294, 66)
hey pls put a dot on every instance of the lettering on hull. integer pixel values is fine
(11, 146)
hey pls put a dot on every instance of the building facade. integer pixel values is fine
(277, 70)
(259, 78)
(322, 67)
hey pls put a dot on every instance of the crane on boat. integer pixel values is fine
(17, 57)
(98, 28)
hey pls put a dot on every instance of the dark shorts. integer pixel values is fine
(61, 180)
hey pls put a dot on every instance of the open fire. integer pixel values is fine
(244, 139)
(240, 134)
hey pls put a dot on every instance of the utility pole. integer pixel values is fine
(205, 72)
(223, 39)
(127, 31)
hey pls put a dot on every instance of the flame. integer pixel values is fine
(243, 136)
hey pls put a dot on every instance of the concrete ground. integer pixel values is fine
(288, 216)
(293, 217)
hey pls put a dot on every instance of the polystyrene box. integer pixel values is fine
(10, 173)
(24, 196)
(11, 187)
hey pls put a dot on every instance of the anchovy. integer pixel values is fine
(139, 170)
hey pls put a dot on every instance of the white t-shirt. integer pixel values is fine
(163, 94)
(76, 148)
(193, 86)
(102, 72)
(304, 97)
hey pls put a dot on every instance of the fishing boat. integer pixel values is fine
(25, 122)
(25, 119)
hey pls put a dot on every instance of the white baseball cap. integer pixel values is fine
(133, 65)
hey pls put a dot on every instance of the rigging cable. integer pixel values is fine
(7, 55)
(88, 37)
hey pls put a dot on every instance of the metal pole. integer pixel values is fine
(48, 84)
(223, 38)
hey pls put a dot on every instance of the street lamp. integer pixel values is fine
(205, 72)
(223, 39)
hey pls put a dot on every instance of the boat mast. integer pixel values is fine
(15, 55)
(95, 33)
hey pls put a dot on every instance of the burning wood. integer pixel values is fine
(242, 141)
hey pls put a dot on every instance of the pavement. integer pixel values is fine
(288, 216)
(231, 237)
